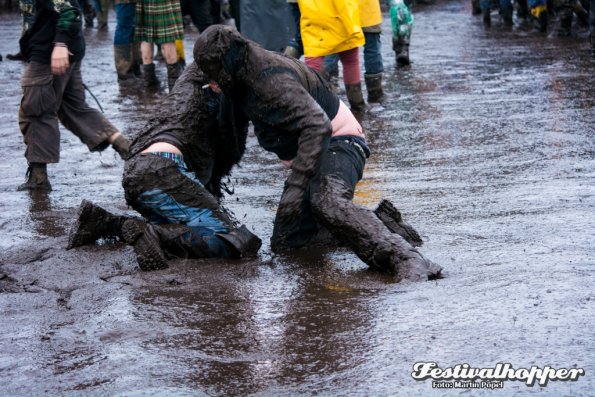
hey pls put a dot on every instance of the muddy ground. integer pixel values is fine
(486, 145)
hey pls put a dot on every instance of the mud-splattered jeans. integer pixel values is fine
(47, 98)
(344, 159)
(161, 188)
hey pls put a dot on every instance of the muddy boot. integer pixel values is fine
(506, 14)
(122, 146)
(124, 61)
(37, 178)
(93, 223)
(356, 100)
(89, 13)
(149, 75)
(15, 57)
(475, 8)
(242, 242)
(174, 71)
(361, 230)
(374, 86)
(540, 18)
(486, 17)
(292, 52)
(392, 219)
(401, 49)
(565, 29)
(145, 241)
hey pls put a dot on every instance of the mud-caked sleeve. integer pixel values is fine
(287, 106)
(69, 21)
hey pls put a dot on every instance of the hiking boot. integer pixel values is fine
(122, 145)
(374, 86)
(145, 241)
(242, 242)
(149, 75)
(393, 220)
(37, 178)
(93, 223)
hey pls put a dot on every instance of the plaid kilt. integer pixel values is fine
(158, 21)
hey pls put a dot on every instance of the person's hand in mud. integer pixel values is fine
(60, 62)
(290, 205)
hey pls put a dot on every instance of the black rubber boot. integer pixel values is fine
(93, 223)
(149, 75)
(401, 49)
(393, 220)
(122, 146)
(37, 178)
(374, 87)
(242, 242)
(487, 17)
(361, 230)
(475, 8)
(89, 13)
(145, 241)
(506, 16)
(174, 71)
(565, 29)
(540, 19)
(125, 65)
(356, 100)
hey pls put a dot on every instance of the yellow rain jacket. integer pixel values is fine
(330, 26)
(370, 13)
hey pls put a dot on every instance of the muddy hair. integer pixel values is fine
(221, 52)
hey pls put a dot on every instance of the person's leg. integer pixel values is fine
(174, 68)
(356, 226)
(314, 63)
(352, 80)
(506, 12)
(124, 58)
(148, 67)
(93, 223)
(200, 13)
(592, 26)
(295, 47)
(373, 66)
(87, 123)
(565, 9)
(39, 123)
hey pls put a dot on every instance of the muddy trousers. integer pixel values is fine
(161, 188)
(344, 159)
(47, 99)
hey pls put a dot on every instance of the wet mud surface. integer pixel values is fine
(486, 146)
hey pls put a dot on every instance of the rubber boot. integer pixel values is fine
(242, 242)
(361, 230)
(393, 220)
(475, 8)
(89, 13)
(149, 75)
(292, 52)
(486, 17)
(37, 178)
(565, 29)
(122, 146)
(124, 61)
(93, 223)
(174, 71)
(506, 14)
(15, 57)
(145, 241)
(401, 48)
(356, 100)
(374, 87)
(540, 19)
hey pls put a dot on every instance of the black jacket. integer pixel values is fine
(46, 22)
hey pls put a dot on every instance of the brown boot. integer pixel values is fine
(37, 178)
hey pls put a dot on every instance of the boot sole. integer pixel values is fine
(146, 247)
(75, 239)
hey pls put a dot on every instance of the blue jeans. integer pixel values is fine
(164, 191)
(372, 57)
(125, 14)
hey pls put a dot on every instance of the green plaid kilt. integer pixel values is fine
(158, 21)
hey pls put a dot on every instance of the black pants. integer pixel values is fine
(344, 159)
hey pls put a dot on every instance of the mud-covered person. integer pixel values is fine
(173, 178)
(53, 45)
(298, 117)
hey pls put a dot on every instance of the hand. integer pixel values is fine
(290, 204)
(60, 62)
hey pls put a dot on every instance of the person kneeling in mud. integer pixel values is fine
(297, 116)
(173, 178)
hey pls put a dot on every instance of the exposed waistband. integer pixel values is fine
(178, 158)
(359, 143)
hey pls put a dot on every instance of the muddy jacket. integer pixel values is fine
(290, 105)
(46, 22)
(190, 118)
